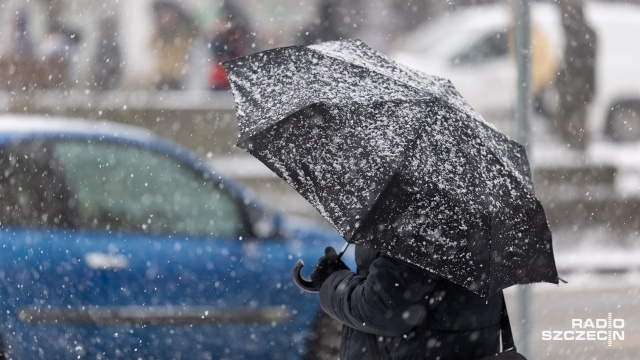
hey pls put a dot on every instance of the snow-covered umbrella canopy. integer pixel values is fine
(395, 160)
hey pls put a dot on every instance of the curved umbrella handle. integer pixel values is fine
(302, 283)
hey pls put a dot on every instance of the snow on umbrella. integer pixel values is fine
(396, 161)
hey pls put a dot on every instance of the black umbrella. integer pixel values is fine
(395, 160)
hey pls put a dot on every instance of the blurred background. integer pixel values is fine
(156, 64)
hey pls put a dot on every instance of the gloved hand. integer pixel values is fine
(327, 265)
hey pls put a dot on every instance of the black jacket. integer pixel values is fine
(412, 313)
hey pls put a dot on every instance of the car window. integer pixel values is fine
(31, 195)
(492, 46)
(120, 187)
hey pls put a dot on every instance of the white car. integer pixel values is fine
(471, 48)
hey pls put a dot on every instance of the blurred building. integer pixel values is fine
(275, 22)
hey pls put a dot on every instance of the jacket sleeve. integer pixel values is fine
(389, 301)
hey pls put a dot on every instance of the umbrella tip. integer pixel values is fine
(563, 280)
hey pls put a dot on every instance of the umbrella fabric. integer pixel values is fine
(396, 161)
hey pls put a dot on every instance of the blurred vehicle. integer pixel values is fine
(118, 244)
(473, 47)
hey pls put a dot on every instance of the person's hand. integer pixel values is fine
(327, 265)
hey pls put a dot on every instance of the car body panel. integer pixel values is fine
(490, 85)
(107, 293)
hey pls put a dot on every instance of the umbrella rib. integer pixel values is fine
(414, 74)
(365, 217)
(259, 129)
(401, 164)
(443, 101)
(409, 72)
(405, 70)
(498, 158)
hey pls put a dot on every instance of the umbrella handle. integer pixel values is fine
(307, 285)
(302, 283)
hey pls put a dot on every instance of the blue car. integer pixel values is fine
(118, 244)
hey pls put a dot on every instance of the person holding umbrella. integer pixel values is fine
(439, 203)
(395, 310)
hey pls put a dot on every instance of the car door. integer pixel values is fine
(37, 268)
(165, 262)
(175, 262)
